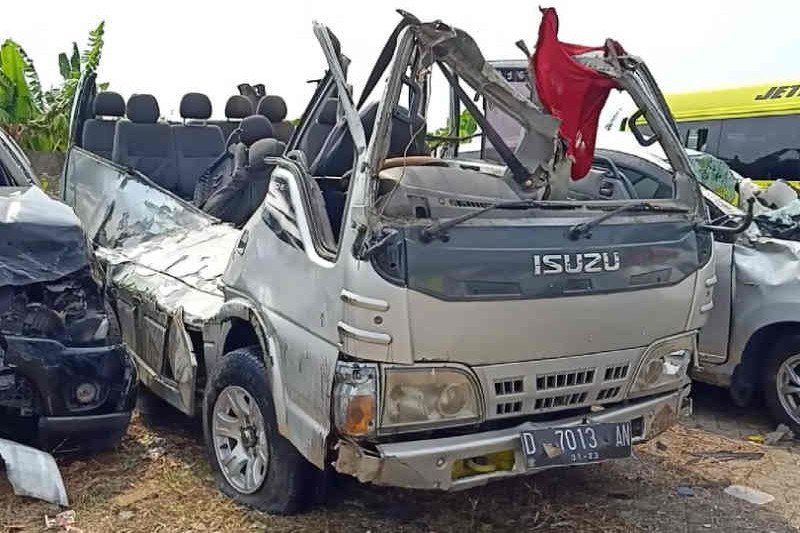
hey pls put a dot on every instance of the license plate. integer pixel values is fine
(576, 445)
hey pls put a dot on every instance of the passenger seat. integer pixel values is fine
(319, 130)
(98, 133)
(144, 144)
(236, 108)
(235, 158)
(197, 144)
(274, 108)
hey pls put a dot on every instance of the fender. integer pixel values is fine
(307, 430)
(218, 330)
(748, 322)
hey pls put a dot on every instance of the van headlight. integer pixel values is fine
(665, 364)
(415, 397)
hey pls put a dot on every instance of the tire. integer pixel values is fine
(279, 481)
(783, 401)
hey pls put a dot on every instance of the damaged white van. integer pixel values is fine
(363, 306)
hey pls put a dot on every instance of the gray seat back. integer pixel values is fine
(252, 129)
(144, 144)
(274, 108)
(197, 144)
(98, 132)
(241, 193)
(318, 131)
(236, 108)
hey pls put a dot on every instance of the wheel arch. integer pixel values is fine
(238, 325)
(756, 352)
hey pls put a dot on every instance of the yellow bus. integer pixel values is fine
(755, 129)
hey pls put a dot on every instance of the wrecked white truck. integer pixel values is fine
(66, 381)
(408, 320)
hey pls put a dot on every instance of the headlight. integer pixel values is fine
(665, 364)
(355, 398)
(433, 396)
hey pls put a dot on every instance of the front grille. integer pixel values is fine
(508, 386)
(609, 393)
(616, 372)
(505, 408)
(534, 387)
(565, 400)
(565, 379)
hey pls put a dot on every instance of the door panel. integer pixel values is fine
(715, 334)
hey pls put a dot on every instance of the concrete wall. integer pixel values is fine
(47, 166)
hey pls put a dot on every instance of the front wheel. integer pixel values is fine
(252, 462)
(782, 382)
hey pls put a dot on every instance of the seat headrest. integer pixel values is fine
(238, 107)
(264, 148)
(109, 104)
(329, 112)
(195, 105)
(273, 107)
(253, 128)
(142, 108)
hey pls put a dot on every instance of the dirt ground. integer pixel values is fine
(159, 480)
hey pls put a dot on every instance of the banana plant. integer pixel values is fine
(39, 120)
(20, 91)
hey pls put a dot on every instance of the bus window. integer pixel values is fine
(762, 147)
(700, 135)
(696, 139)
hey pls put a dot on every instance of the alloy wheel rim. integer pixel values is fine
(240, 439)
(788, 384)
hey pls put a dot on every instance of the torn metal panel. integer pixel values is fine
(539, 147)
(33, 473)
(182, 361)
(42, 238)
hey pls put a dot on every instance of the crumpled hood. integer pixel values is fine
(40, 238)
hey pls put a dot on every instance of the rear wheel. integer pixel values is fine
(782, 382)
(252, 462)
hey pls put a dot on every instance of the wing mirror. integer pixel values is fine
(641, 138)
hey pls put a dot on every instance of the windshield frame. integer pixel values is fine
(422, 45)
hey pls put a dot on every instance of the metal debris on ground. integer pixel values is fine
(749, 494)
(781, 433)
(32, 472)
(64, 521)
(156, 449)
(724, 455)
(684, 490)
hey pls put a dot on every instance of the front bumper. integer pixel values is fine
(82, 433)
(52, 372)
(429, 464)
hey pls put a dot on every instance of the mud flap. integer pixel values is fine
(33, 473)
(183, 363)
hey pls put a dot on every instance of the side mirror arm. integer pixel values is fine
(734, 230)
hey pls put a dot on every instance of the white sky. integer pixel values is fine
(171, 47)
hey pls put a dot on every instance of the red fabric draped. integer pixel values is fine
(570, 91)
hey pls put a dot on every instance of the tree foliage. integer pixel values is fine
(37, 119)
(466, 130)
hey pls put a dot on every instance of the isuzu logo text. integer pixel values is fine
(575, 263)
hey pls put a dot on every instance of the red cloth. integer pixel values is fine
(570, 91)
